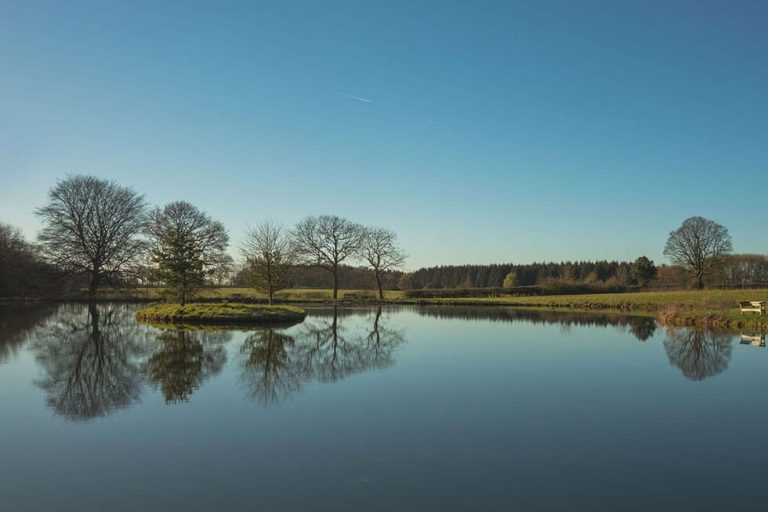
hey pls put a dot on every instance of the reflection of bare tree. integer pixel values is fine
(328, 353)
(269, 371)
(382, 341)
(277, 364)
(698, 353)
(184, 359)
(16, 322)
(91, 360)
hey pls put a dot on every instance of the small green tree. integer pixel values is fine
(187, 245)
(511, 280)
(642, 271)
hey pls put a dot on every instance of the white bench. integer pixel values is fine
(757, 306)
(755, 341)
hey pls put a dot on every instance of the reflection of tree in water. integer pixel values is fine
(641, 328)
(698, 353)
(16, 322)
(91, 360)
(184, 359)
(327, 352)
(323, 349)
(269, 371)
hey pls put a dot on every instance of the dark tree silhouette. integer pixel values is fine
(92, 360)
(92, 227)
(698, 245)
(379, 249)
(698, 353)
(269, 258)
(327, 241)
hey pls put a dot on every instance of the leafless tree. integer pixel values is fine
(379, 248)
(327, 241)
(269, 256)
(92, 226)
(698, 245)
(187, 246)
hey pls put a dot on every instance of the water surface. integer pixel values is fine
(432, 408)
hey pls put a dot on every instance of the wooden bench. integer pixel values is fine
(757, 306)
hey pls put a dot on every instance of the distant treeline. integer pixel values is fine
(494, 276)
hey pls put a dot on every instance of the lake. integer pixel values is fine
(400, 408)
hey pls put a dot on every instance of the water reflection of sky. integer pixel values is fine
(368, 409)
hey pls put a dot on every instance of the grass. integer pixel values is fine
(249, 294)
(708, 308)
(221, 313)
(713, 308)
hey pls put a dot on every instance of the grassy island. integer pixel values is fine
(223, 313)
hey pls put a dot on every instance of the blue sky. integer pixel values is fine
(478, 131)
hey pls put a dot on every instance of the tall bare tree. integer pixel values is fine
(699, 244)
(327, 241)
(379, 248)
(269, 256)
(92, 227)
(187, 245)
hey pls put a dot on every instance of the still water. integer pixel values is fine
(431, 408)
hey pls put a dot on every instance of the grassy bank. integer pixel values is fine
(223, 313)
(710, 308)
(713, 308)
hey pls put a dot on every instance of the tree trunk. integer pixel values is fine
(335, 284)
(93, 285)
(378, 282)
(269, 294)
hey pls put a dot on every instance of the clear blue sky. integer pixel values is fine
(478, 131)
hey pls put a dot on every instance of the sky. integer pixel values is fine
(478, 131)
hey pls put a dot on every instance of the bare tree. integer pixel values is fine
(698, 245)
(187, 245)
(379, 248)
(92, 227)
(327, 241)
(269, 257)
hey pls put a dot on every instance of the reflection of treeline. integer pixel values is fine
(641, 327)
(17, 321)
